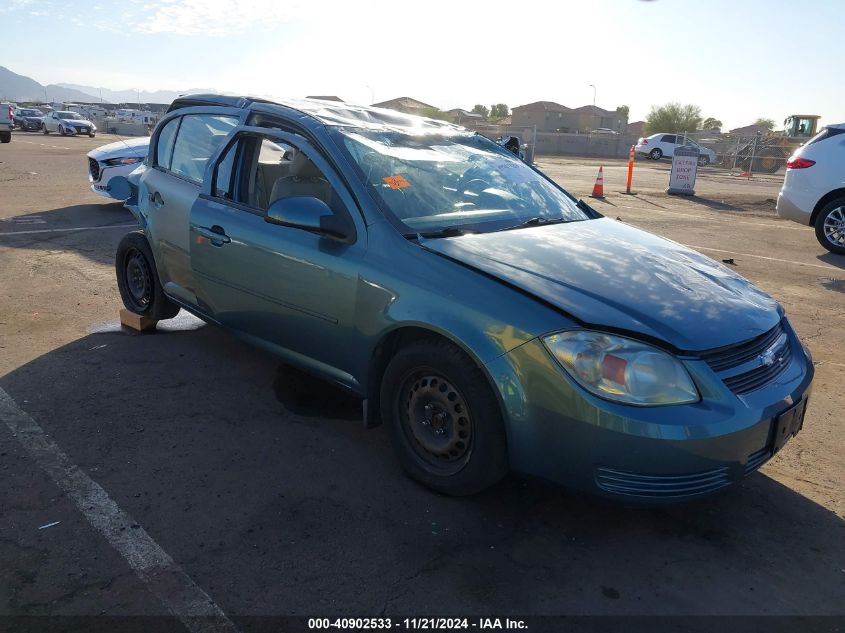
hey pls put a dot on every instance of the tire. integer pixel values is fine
(656, 154)
(91, 135)
(445, 423)
(5, 137)
(830, 226)
(45, 130)
(137, 279)
(703, 161)
(62, 131)
(769, 161)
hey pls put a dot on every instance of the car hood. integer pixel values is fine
(610, 275)
(130, 147)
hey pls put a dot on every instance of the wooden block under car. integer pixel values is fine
(136, 321)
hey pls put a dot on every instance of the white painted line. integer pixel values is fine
(713, 218)
(78, 228)
(771, 259)
(156, 569)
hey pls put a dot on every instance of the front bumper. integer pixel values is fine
(558, 431)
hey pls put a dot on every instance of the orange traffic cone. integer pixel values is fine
(598, 188)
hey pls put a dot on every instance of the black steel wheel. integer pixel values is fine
(436, 421)
(444, 419)
(137, 279)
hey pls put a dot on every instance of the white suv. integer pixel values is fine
(661, 145)
(813, 190)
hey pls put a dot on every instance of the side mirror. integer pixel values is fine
(310, 214)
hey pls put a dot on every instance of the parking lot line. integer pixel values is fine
(772, 259)
(153, 566)
(784, 225)
(76, 228)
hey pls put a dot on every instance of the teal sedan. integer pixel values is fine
(487, 317)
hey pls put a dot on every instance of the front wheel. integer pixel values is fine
(445, 422)
(91, 135)
(5, 137)
(703, 161)
(137, 279)
(830, 226)
(45, 130)
(655, 154)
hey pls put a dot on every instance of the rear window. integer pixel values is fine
(199, 137)
(668, 138)
(827, 132)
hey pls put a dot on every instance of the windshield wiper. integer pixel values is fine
(449, 231)
(536, 221)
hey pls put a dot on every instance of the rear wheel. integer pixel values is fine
(830, 226)
(137, 279)
(656, 154)
(703, 160)
(444, 420)
(769, 161)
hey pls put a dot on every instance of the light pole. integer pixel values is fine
(594, 105)
(139, 98)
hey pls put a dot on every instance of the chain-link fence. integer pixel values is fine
(757, 153)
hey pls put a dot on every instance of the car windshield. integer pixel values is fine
(69, 115)
(440, 182)
(31, 112)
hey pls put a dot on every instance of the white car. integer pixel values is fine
(813, 191)
(115, 159)
(661, 145)
(67, 123)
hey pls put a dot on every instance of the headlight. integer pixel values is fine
(129, 160)
(622, 369)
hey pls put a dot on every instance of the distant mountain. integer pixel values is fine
(14, 87)
(131, 96)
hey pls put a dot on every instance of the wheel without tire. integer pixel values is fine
(655, 154)
(445, 422)
(137, 279)
(830, 226)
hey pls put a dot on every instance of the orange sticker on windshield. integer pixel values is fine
(396, 182)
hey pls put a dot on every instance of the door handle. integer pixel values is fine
(156, 199)
(216, 234)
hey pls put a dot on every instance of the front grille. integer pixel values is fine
(81, 130)
(94, 168)
(731, 356)
(661, 486)
(772, 351)
(755, 460)
(759, 376)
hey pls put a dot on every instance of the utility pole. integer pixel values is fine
(593, 118)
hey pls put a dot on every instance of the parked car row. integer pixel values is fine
(569, 346)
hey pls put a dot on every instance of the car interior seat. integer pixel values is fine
(305, 179)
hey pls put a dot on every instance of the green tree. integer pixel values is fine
(623, 111)
(673, 117)
(766, 124)
(480, 109)
(711, 123)
(499, 111)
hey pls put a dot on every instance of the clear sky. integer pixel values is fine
(737, 59)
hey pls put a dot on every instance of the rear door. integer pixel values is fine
(179, 155)
(288, 289)
(667, 145)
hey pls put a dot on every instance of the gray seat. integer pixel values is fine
(305, 179)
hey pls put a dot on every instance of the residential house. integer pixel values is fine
(406, 105)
